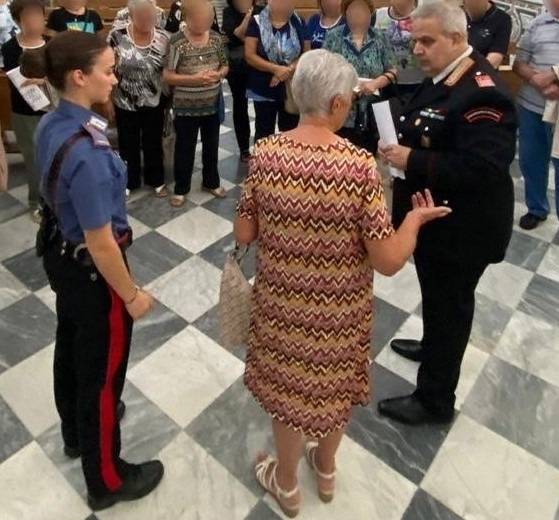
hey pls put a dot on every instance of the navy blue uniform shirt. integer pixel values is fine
(91, 187)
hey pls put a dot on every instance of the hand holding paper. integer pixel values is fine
(32, 93)
(395, 155)
(387, 131)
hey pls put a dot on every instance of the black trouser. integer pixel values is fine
(90, 360)
(142, 131)
(267, 112)
(448, 302)
(366, 139)
(238, 82)
(186, 128)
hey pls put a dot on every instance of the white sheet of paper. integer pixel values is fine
(386, 130)
(33, 94)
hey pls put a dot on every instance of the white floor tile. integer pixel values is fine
(20, 193)
(196, 229)
(48, 297)
(186, 374)
(401, 290)
(32, 488)
(17, 235)
(190, 289)
(11, 289)
(480, 475)
(549, 266)
(472, 366)
(532, 345)
(504, 283)
(195, 486)
(138, 228)
(33, 379)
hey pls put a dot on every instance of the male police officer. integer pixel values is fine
(457, 137)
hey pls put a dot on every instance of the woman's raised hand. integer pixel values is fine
(424, 208)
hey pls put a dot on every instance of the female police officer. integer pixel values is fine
(82, 239)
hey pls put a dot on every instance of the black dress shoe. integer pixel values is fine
(141, 481)
(409, 348)
(120, 410)
(410, 410)
(530, 221)
(74, 452)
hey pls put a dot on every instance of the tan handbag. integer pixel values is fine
(290, 105)
(235, 302)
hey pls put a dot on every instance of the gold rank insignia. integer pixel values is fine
(465, 65)
(426, 141)
(417, 121)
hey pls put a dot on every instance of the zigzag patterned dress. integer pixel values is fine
(308, 356)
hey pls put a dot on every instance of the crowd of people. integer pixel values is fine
(313, 197)
(174, 63)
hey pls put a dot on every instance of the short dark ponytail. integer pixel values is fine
(67, 51)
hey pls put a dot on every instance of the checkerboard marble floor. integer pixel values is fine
(187, 405)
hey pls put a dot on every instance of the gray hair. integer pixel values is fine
(321, 75)
(133, 5)
(450, 15)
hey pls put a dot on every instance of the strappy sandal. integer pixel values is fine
(220, 192)
(161, 192)
(177, 201)
(268, 480)
(310, 451)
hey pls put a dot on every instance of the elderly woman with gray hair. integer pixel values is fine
(316, 205)
(141, 50)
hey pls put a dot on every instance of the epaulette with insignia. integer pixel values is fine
(100, 140)
(465, 65)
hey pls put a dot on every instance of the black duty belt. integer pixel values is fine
(80, 254)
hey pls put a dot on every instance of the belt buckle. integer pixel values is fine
(77, 250)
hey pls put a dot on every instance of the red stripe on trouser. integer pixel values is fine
(107, 408)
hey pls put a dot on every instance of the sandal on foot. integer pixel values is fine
(177, 201)
(220, 192)
(266, 474)
(325, 495)
(161, 192)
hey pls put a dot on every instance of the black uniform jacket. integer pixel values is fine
(463, 135)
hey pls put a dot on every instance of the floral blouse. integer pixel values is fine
(373, 59)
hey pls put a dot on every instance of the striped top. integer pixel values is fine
(538, 47)
(186, 58)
